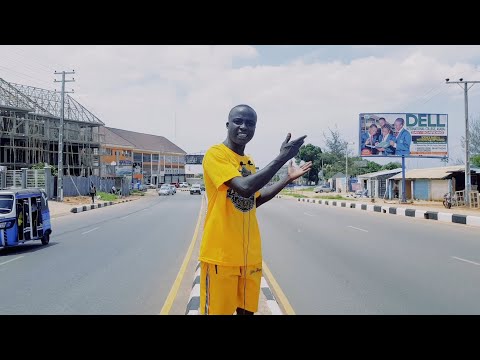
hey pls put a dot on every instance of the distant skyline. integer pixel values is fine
(185, 92)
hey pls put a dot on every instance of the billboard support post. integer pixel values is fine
(404, 194)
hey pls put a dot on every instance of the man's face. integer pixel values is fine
(241, 125)
(382, 122)
(398, 125)
(385, 131)
(372, 130)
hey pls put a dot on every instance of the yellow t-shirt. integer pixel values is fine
(231, 236)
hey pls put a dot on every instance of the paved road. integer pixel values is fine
(121, 259)
(330, 260)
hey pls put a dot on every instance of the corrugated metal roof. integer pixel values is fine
(148, 141)
(380, 173)
(432, 173)
(113, 139)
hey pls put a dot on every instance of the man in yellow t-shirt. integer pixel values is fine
(231, 251)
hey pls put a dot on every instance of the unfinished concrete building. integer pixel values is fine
(29, 130)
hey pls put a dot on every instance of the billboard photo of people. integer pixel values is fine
(403, 134)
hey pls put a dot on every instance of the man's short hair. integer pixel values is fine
(400, 120)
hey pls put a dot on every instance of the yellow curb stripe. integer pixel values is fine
(278, 291)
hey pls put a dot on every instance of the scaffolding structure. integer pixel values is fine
(30, 126)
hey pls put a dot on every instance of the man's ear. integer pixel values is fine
(226, 124)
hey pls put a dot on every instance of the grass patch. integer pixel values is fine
(106, 196)
(332, 197)
(297, 196)
(137, 193)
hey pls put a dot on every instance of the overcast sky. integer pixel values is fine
(297, 89)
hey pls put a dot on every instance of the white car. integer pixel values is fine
(196, 189)
(165, 189)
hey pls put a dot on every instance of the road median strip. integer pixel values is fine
(400, 211)
(82, 208)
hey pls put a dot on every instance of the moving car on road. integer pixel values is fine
(165, 189)
(195, 189)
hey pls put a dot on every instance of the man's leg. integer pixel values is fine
(218, 289)
(241, 311)
(249, 290)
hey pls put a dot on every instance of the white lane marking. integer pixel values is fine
(11, 260)
(468, 261)
(299, 230)
(353, 227)
(86, 232)
(125, 216)
(308, 214)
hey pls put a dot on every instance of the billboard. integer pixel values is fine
(194, 159)
(403, 134)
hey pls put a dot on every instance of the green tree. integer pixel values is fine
(43, 165)
(335, 144)
(475, 159)
(311, 153)
(372, 166)
(391, 166)
(474, 135)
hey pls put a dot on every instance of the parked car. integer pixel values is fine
(174, 189)
(323, 188)
(196, 189)
(184, 185)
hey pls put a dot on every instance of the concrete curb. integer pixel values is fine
(400, 211)
(99, 205)
(194, 299)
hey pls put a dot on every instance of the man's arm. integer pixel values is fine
(268, 193)
(248, 185)
(293, 173)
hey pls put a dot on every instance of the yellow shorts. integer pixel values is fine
(224, 288)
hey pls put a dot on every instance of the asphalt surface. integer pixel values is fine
(330, 260)
(122, 259)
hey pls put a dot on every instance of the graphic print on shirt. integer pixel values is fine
(241, 203)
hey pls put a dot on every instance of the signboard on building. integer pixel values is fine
(194, 159)
(403, 134)
(123, 170)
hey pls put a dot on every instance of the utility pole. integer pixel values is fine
(467, 140)
(60, 133)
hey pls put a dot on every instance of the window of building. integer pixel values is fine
(137, 157)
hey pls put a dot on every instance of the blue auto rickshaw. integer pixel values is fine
(24, 216)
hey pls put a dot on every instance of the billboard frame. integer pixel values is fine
(397, 156)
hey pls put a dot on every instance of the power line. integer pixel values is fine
(32, 58)
(25, 76)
